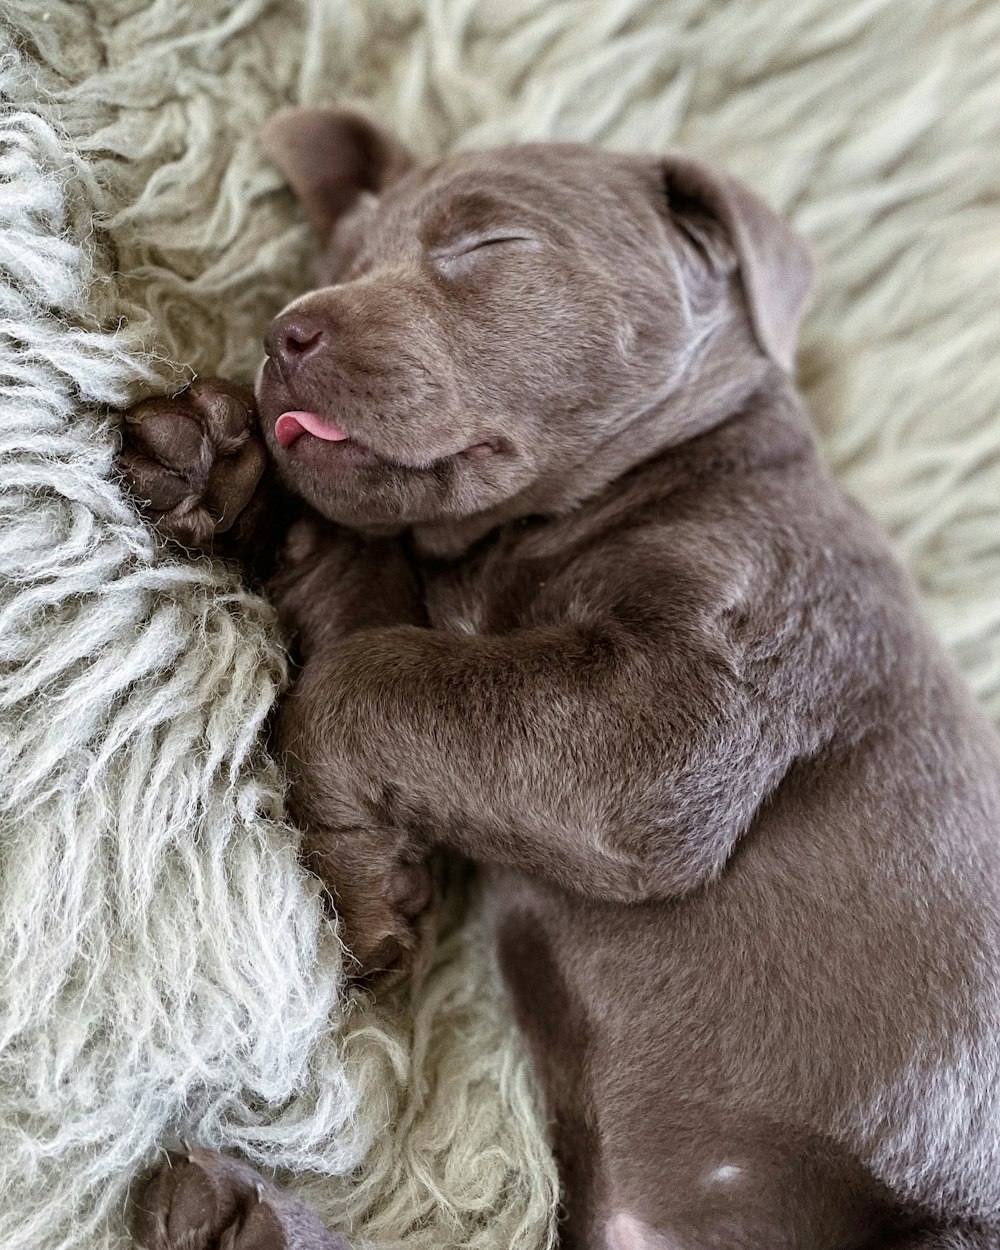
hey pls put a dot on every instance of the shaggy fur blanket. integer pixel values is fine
(166, 969)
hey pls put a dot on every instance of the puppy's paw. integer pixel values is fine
(193, 461)
(382, 896)
(203, 1200)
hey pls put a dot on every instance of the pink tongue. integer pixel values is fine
(291, 425)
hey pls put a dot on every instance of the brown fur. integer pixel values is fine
(579, 600)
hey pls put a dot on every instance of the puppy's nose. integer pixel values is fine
(291, 338)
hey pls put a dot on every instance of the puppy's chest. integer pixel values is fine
(488, 593)
(458, 605)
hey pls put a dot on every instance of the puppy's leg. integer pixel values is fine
(204, 1200)
(334, 584)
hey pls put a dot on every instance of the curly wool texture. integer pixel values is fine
(167, 970)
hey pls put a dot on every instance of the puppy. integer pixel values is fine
(574, 596)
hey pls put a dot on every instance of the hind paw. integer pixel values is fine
(203, 1200)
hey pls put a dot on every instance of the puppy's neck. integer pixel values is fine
(685, 411)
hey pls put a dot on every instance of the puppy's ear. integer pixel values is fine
(729, 224)
(330, 157)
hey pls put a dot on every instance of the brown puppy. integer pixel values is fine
(575, 597)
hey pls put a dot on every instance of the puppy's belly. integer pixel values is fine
(647, 1075)
(624, 1231)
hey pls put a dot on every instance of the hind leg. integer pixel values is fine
(203, 1200)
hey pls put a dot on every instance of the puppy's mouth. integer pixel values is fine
(290, 427)
(293, 425)
(317, 439)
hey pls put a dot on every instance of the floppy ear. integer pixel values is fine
(330, 157)
(727, 221)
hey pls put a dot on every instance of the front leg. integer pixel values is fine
(501, 748)
(596, 758)
(334, 583)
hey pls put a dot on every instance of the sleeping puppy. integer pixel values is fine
(573, 595)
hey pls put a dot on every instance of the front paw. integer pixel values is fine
(193, 461)
(382, 891)
(203, 1200)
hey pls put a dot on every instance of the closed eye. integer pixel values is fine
(493, 240)
(469, 244)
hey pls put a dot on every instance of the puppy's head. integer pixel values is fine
(484, 330)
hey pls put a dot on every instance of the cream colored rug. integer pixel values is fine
(165, 966)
